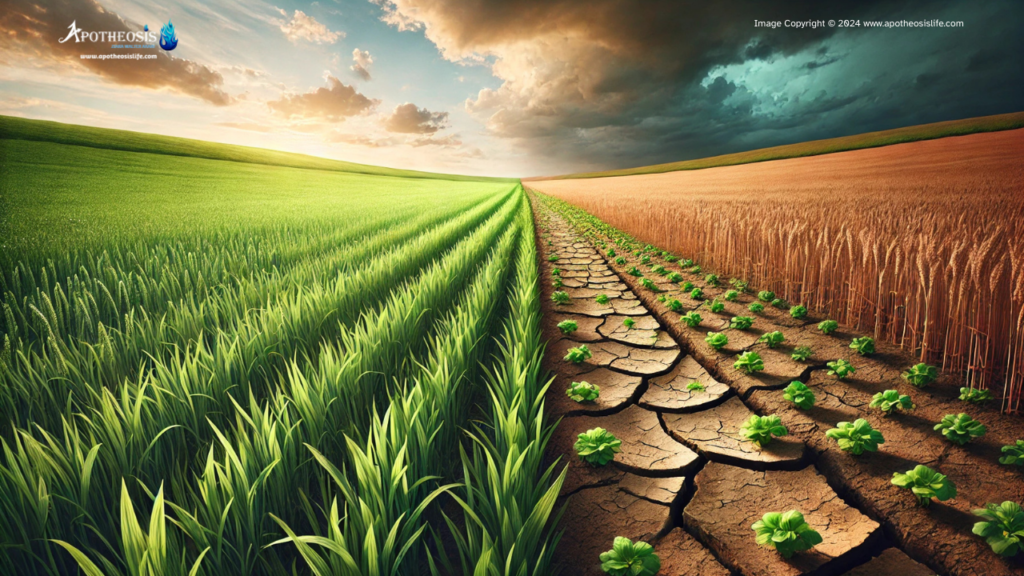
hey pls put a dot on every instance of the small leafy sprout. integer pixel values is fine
(568, 326)
(560, 297)
(856, 437)
(686, 263)
(601, 299)
(611, 252)
(557, 282)
(799, 394)
(975, 395)
(645, 260)
(629, 559)
(960, 429)
(741, 322)
(670, 258)
(802, 353)
(738, 284)
(788, 533)
(674, 305)
(1004, 529)
(749, 362)
(695, 269)
(717, 307)
(674, 277)
(556, 271)
(890, 401)
(697, 294)
(772, 339)
(863, 345)
(620, 261)
(780, 303)
(583, 391)
(828, 326)
(756, 307)
(692, 319)
(1014, 454)
(578, 355)
(760, 429)
(646, 283)
(695, 387)
(553, 257)
(687, 286)
(840, 369)
(731, 295)
(711, 279)
(659, 270)
(926, 484)
(634, 271)
(662, 298)
(597, 446)
(766, 296)
(798, 311)
(629, 323)
(716, 340)
(921, 375)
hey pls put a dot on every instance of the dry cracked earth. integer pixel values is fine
(688, 483)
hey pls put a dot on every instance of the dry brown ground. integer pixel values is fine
(917, 243)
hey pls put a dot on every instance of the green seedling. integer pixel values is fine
(711, 279)
(601, 298)
(1003, 528)
(840, 369)
(692, 319)
(659, 270)
(674, 305)
(766, 296)
(553, 257)
(828, 326)
(627, 558)
(761, 429)
(741, 322)
(802, 353)
(926, 484)
(772, 339)
(697, 294)
(597, 446)
(756, 307)
(975, 395)
(798, 312)
(695, 387)
(921, 375)
(960, 429)
(1013, 454)
(634, 271)
(863, 345)
(731, 295)
(646, 283)
(583, 391)
(749, 362)
(629, 323)
(675, 277)
(568, 326)
(578, 355)
(560, 297)
(717, 307)
(856, 437)
(890, 401)
(620, 261)
(788, 533)
(716, 340)
(800, 395)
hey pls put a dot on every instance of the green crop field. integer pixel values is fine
(222, 361)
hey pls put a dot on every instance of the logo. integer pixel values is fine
(168, 41)
(118, 36)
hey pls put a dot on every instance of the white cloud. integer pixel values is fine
(303, 27)
(362, 62)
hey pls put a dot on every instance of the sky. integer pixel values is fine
(514, 87)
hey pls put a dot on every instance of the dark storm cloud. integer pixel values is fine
(603, 83)
(34, 28)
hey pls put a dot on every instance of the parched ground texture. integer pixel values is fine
(688, 483)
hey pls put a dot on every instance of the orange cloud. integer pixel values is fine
(334, 103)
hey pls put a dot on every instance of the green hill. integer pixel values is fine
(12, 128)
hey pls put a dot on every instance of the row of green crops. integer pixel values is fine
(352, 387)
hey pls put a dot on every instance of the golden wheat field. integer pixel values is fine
(918, 243)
